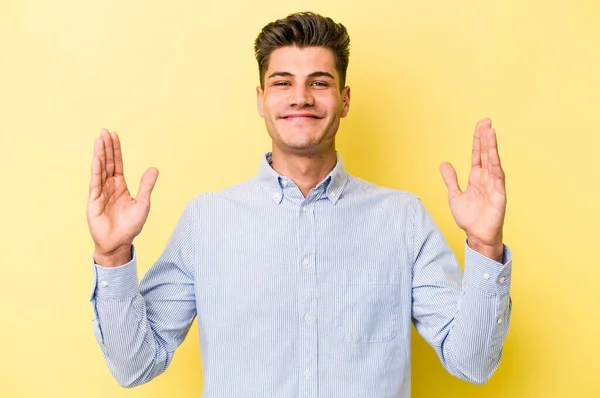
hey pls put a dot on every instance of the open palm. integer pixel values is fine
(479, 210)
(114, 217)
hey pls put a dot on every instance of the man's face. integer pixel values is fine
(301, 101)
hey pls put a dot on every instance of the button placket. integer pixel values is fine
(307, 290)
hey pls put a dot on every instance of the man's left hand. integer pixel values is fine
(479, 210)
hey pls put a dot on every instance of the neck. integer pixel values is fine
(305, 170)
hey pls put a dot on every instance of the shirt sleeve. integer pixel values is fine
(138, 327)
(464, 317)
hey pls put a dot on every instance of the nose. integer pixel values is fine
(301, 96)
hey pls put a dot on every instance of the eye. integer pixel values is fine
(281, 83)
(319, 84)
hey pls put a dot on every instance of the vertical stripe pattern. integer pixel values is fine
(304, 297)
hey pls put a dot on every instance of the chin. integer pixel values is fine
(298, 145)
(301, 146)
(300, 141)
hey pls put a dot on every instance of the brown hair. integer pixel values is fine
(304, 29)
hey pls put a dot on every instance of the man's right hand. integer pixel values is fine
(114, 217)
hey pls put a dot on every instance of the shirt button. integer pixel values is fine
(499, 321)
(305, 261)
(307, 318)
(307, 373)
(276, 196)
(285, 183)
(332, 195)
(304, 209)
(486, 276)
(104, 283)
(502, 279)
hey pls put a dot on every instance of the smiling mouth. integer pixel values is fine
(295, 117)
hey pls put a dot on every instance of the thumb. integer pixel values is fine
(450, 179)
(147, 185)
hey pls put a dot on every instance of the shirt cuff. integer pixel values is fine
(116, 282)
(487, 275)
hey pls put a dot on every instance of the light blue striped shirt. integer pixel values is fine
(304, 297)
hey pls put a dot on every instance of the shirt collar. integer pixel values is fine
(334, 183)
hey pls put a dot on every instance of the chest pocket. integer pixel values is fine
(363, 305)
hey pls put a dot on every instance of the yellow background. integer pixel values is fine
(177, 80)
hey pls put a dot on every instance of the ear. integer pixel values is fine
(345, 101)
(259, 101)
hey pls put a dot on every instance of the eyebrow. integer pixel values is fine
(314, 74)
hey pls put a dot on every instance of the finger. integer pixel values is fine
(485, 126)
(450, 179)
(495, 166)
(101, 154)
(118, 154)
(476, 152)
(147, 185)
(110, 155)
(96, 179)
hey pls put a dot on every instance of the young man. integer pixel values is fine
(304, 279)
